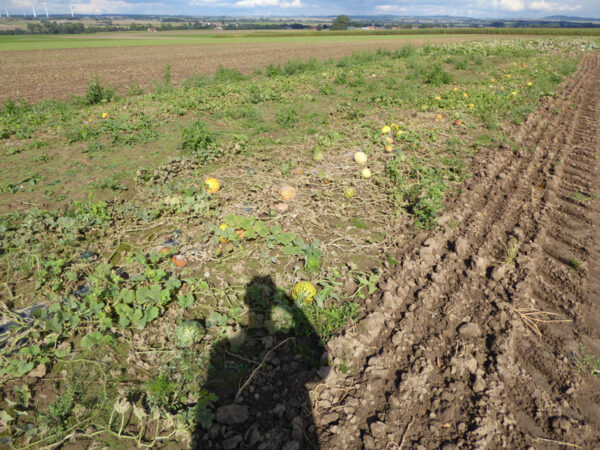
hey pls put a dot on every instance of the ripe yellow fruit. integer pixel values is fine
(212, 185)
(471, 105)
(317, 156)
(366, 173)
(529, 83)
(304, 291)
(437, 97)
(104, 115)
(389, 148)
(287, 193)
(349, 192)
(400, 133)
(465, 95)
(388, 140)
(386, 129)
(360, 157)
(438, 117)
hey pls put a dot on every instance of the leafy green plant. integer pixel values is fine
(437, 76)
(287, 116)
(328, 321)
(96, 93)
(224, 74)
(511, 250)
(588, 363)
(367, 284)
(199, 142)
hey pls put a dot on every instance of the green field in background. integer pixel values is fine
(139, 39)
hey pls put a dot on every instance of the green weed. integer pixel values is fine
(588, 363)
(96, 93)
(198, 142)
(287, 116)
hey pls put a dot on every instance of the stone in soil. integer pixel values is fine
(232, 414)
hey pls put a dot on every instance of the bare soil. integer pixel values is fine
(57, 74)
(466, 349)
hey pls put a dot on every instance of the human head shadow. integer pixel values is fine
(259, 374)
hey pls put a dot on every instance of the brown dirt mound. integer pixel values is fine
(475, 346)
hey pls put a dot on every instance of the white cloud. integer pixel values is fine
(390, 8)
(509, 5)
(259, 3)
(201, 2)
(552, 6)
(103, 6)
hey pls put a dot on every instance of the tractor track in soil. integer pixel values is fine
(467, 350)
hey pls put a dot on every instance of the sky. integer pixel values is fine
(290, 8)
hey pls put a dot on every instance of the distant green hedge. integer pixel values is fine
(518, 31)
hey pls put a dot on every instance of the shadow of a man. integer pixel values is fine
(259, 376)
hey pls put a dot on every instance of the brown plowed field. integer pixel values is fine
(468, 350)
(58, 74)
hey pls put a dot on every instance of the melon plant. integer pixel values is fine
(188, 333)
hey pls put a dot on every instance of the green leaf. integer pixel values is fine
(203, 285)
(185, 301)
(123, 322)
(63, 350)
(137, 316)
(92, 339)
(151, 314)
(291, 250)
(142, 295)
(165, 297)
(275, 230)
(127, 295)
(298, 241)
(215, 318)
(5, 418)
(106, 323)
(250, 234)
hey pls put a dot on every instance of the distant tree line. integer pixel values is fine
(167, 24)
(340, 23)
(46, 27)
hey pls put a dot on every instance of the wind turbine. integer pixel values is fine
(7, 15)
(72, 15)
(34, 14)
(46, 6)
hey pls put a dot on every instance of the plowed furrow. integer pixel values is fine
(456, 327)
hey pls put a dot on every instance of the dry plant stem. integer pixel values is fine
(566, 444)
(532, 317)
(260, 365)
(406, 433)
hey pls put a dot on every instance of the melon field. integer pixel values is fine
(388, 248)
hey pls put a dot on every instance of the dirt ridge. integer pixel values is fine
(502, 370)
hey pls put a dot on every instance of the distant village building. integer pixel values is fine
(152, 30)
